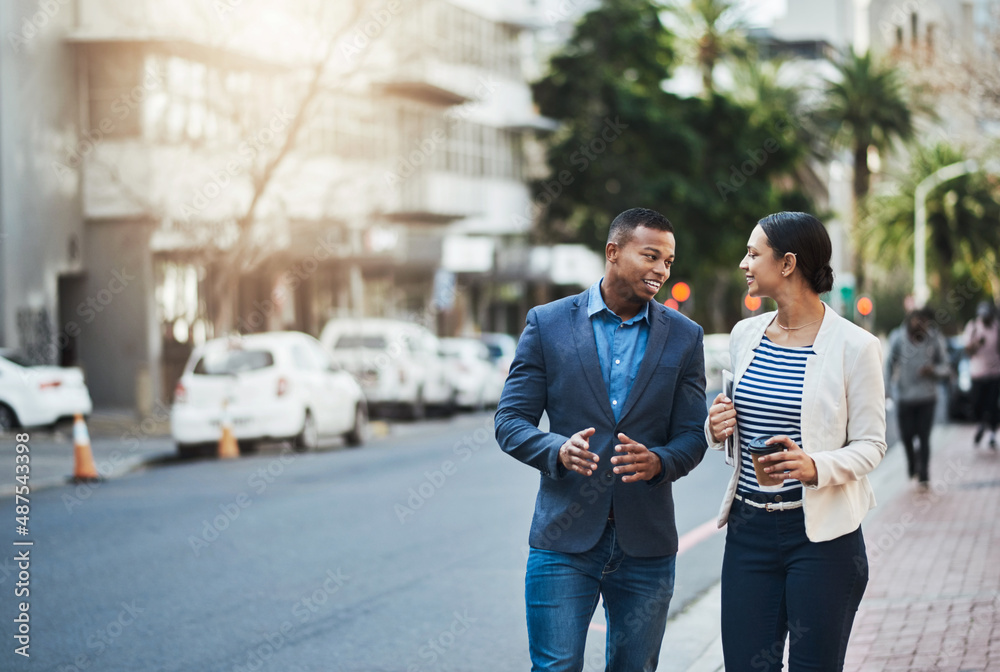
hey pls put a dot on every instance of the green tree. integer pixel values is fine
(773, 96)
(866, 108)
(713, 30)
(625, 142)
(963, 222)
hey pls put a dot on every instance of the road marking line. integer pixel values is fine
(686, 543)
(697, 535)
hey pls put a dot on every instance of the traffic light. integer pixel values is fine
(864, 312)
(680, 292)
(752, 303)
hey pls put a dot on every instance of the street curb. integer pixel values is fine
(382, 431)
(110, 425)
(692, 641)
(128, 466)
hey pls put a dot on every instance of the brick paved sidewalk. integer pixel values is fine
(934, 594)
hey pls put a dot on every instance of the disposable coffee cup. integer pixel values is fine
(758, 448)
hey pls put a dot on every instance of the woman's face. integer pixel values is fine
(763, 271)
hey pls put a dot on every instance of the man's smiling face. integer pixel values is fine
(639, 268)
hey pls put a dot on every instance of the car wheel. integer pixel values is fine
(188, 450)
(8, 419)
(450, 406)
(360, 433)
(248, 447)
(418, 409)
(308, 438)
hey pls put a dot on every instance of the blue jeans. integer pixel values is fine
(561, 593)
(776, 584)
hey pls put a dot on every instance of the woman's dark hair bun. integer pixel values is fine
(822, 280)
(804, 236)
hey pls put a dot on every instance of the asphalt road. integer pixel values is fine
(407, 554)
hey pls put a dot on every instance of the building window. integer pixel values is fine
(113, 75)
(482, 151)
(413, 137)
(461, 36)
(197, 103)
(354, 129)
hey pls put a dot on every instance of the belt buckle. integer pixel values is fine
(776, 506)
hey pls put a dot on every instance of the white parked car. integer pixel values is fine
(502, 348)
(273, 386)
(398, 363)
(716, 359)
(477, 382)
(32, 396)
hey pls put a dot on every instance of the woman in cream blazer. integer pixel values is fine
(810, 382)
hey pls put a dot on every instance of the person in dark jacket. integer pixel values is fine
(917, 360)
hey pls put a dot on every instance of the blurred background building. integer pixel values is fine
(172, 172)
(152, 197)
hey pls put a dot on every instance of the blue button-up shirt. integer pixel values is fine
(620, 346)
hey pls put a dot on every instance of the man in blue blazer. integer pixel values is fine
(622, 379)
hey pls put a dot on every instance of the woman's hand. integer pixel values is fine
(793, 460)
(722, 418)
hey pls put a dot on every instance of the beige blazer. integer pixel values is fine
(843, 421)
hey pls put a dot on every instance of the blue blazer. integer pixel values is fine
(556, 370)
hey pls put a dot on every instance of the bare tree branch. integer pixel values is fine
(247, 254)
(263, 180)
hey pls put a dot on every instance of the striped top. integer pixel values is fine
(768, 401)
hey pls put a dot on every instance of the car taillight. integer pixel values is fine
(282, 387)
(180, 393)
(49, 385)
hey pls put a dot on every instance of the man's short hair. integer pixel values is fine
(623, 227)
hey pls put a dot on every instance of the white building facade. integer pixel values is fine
(136, 137)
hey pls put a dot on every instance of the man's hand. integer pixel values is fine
(575, 454)
(637, 462)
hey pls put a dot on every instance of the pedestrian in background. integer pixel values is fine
(982, 342)
(809, 384)
(622, 380)
(916, 361)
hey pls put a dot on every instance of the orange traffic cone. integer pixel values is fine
(228, 448)
(84, 469)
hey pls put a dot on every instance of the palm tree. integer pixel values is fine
(770, 91)
(775, 97)
(714, 31)
(964, 240)
(867, 107)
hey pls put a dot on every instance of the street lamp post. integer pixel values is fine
(921, 292)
